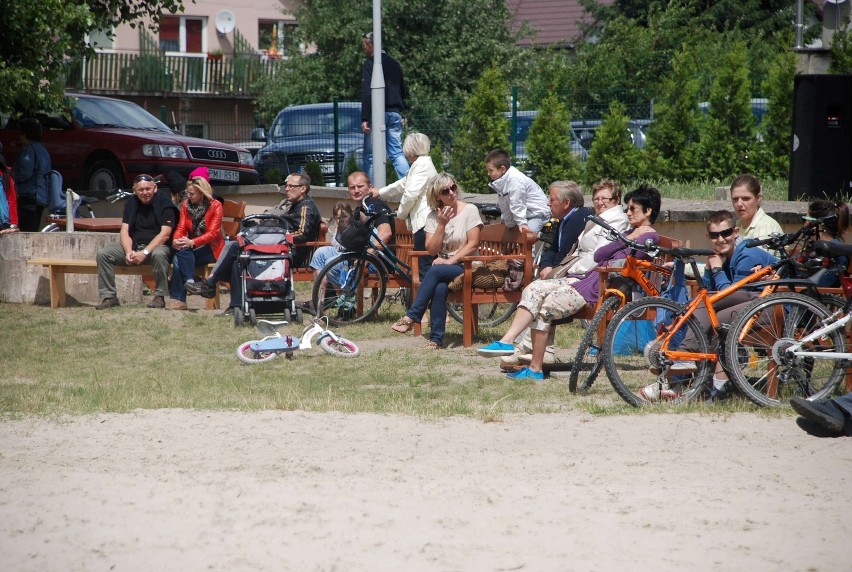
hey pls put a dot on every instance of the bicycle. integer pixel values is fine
(276, 343)
(788, 344)
(637, 276)
(351, 286)
(81, 202)
(642, 336)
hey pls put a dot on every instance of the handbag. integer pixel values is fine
(489, 276)
(564, 267)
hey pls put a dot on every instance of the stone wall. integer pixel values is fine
(20, 283)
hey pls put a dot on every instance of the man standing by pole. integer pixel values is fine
(383, 92)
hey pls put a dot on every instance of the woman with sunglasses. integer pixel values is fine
(452, 232)
(198, 238)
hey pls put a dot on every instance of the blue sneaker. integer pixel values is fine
(495, 349)
(526, 373)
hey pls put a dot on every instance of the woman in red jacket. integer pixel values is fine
(198, 238)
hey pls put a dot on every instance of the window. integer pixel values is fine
(273, 37)
(101, 39)
(183, 34)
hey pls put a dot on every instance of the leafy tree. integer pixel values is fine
(482, 127)
(776, 129)
(613, 155)
(549, 143)
(442, 47)
(841, 51)
(673, 136)
(728, 134)
(39, 38)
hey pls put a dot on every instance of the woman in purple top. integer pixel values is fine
(544, 301)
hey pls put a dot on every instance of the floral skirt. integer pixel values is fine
(549, 300)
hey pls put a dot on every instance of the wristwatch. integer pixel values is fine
(145, 251)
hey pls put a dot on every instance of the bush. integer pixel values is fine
(549, 144)
(613, 155)
(314, 171)
(482, 128)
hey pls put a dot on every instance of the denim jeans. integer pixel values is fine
(393, 143)
(433, 292)
(228, 269)
(183, 268)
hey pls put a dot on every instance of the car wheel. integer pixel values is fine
(104, 175)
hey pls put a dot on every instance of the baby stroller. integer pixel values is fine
(265, 264)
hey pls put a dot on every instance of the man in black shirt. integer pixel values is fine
(395, 94)
(146, 230)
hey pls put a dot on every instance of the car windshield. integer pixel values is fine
(90, 112)
(307, 122)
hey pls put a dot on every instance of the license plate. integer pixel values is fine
(224, 175)
(327, 168)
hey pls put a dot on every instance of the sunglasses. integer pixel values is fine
(602, 199)
(146, 178)
(445, 192)
(723, 233)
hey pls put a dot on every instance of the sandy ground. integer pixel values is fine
(190, 490)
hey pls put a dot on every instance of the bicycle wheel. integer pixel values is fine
(636, 368)
(355, 286)
(758, 360)
(490, 315)
(341, 348)
(589, 360)
(249, 356)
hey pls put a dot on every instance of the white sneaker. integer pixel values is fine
(656, 391)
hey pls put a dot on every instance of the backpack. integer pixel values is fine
(55, 195)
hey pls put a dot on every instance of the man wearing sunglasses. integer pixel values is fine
(146, 230)
(731, 262)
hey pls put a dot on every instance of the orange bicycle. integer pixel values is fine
(638, 277)
(642, 348)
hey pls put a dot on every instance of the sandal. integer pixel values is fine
(433, 346)
(403, 325)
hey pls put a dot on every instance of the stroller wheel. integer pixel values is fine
(239, 318)
(299, 316)
(287, 315)
(252, 315)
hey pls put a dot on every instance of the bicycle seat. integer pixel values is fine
(832, 249)
(271, 325)
(681, 252)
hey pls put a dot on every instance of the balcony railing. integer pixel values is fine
(143, 72)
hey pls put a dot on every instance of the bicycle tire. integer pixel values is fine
(342, 348)
(350, 301)
(589, 359)
(760, 367)
(630, 353)
(490, 315)
(249, 356)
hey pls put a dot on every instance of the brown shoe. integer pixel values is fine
(178, 305)
(107, 303)
(157, 302)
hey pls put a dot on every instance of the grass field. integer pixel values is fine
(77, 360)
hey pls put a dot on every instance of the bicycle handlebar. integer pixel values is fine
(651, 247)
(118, 195)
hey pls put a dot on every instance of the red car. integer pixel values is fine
(107, 142)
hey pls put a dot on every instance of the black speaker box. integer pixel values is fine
(821, 153)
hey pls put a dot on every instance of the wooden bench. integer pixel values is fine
(506, 244)
(58, 267)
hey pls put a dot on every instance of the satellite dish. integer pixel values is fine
(225, 22)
